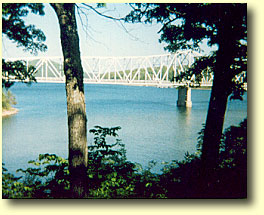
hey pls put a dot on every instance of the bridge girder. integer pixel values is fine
(155, 70)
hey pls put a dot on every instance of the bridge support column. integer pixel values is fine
(184, 97)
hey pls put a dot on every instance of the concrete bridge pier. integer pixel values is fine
(184, 97)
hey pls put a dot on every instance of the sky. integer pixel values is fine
(102, 37)
(98, 35)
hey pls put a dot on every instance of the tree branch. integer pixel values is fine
(166, 24)
(101, 14)
(87, 7)
(85, 25)
(175, 12)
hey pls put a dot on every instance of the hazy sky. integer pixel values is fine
(103, 37)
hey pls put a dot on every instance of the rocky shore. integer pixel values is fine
(9, 112)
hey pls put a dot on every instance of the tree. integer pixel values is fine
(31, 38)
(76, 110)
(16, 70)
(77, 121)
(184, 27)
(14, 27)
(26, 36)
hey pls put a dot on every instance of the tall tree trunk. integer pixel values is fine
(214, 125)
(77, 131)
(219, 96)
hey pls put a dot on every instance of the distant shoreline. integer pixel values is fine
(9, 112)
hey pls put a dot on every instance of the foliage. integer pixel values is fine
(112, 176)
(148, 183)
(48, 178)
(185, 25)
(11, 186)
(41, 181)
(26, 36)
(233, 151)
(183, 179)
(109, 171)
(16, 70)
(8, 99)
(205, 66)
(233, 145)
(14, 27)
(202, 67)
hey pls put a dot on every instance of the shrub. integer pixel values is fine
(182, 179)
(110, 175)
(8, 100)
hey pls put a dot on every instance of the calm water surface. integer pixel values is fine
(153, 128)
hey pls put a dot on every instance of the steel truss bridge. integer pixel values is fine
(156, 70)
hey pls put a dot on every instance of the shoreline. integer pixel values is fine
(9, 112)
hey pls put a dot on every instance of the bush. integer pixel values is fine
(110, 175)
(182, 179)
(11, 187)
(8, 100)
(48, 178)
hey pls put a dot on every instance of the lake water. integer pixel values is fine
(153, 128)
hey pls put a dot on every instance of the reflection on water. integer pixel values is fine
(185, 114)
(153, 127)
(8, 120)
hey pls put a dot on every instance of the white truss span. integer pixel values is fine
(156, 70)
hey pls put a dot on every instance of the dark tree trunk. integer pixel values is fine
(77, 131)
(214, 125)
(219, 96)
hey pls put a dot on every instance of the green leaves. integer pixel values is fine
(48, 178)
(101, 150)
(109, 171)
(184, 26)
(8, 99)
(100, 5)
(16, 70)
(234, 146)
(12, 187)
(14, 27)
